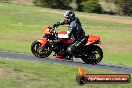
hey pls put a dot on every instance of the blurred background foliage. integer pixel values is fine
(57, 4)
(113, 7)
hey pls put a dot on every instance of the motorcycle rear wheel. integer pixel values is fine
(40, 52)
(94, 56)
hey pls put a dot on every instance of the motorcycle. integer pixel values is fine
(52, 41)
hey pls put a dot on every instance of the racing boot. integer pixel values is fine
(58, 56)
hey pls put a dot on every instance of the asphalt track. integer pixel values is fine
(115, 68)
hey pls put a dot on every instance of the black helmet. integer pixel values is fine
(69, 15)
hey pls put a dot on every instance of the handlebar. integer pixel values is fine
(53, 31)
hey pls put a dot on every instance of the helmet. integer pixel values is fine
(69, 15)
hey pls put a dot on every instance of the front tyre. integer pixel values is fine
(40, 52)
(93, 56)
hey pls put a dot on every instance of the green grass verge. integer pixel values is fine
(34, 74)
(21, 25)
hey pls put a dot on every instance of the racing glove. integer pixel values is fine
(57, 24)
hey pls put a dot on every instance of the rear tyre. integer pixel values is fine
(40, 52)
(94, 56)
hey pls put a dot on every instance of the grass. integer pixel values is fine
(118, 59)
(32, 74)
(21, 25)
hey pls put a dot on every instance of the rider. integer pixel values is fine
(75, 30)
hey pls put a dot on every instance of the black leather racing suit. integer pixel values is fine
(75, 31)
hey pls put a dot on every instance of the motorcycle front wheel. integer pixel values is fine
(40, 52)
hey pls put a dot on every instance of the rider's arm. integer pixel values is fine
(71, 29)
(63, 22)
(69, 32)
(59, 23)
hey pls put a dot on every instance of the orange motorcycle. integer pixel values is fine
(52, 41)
